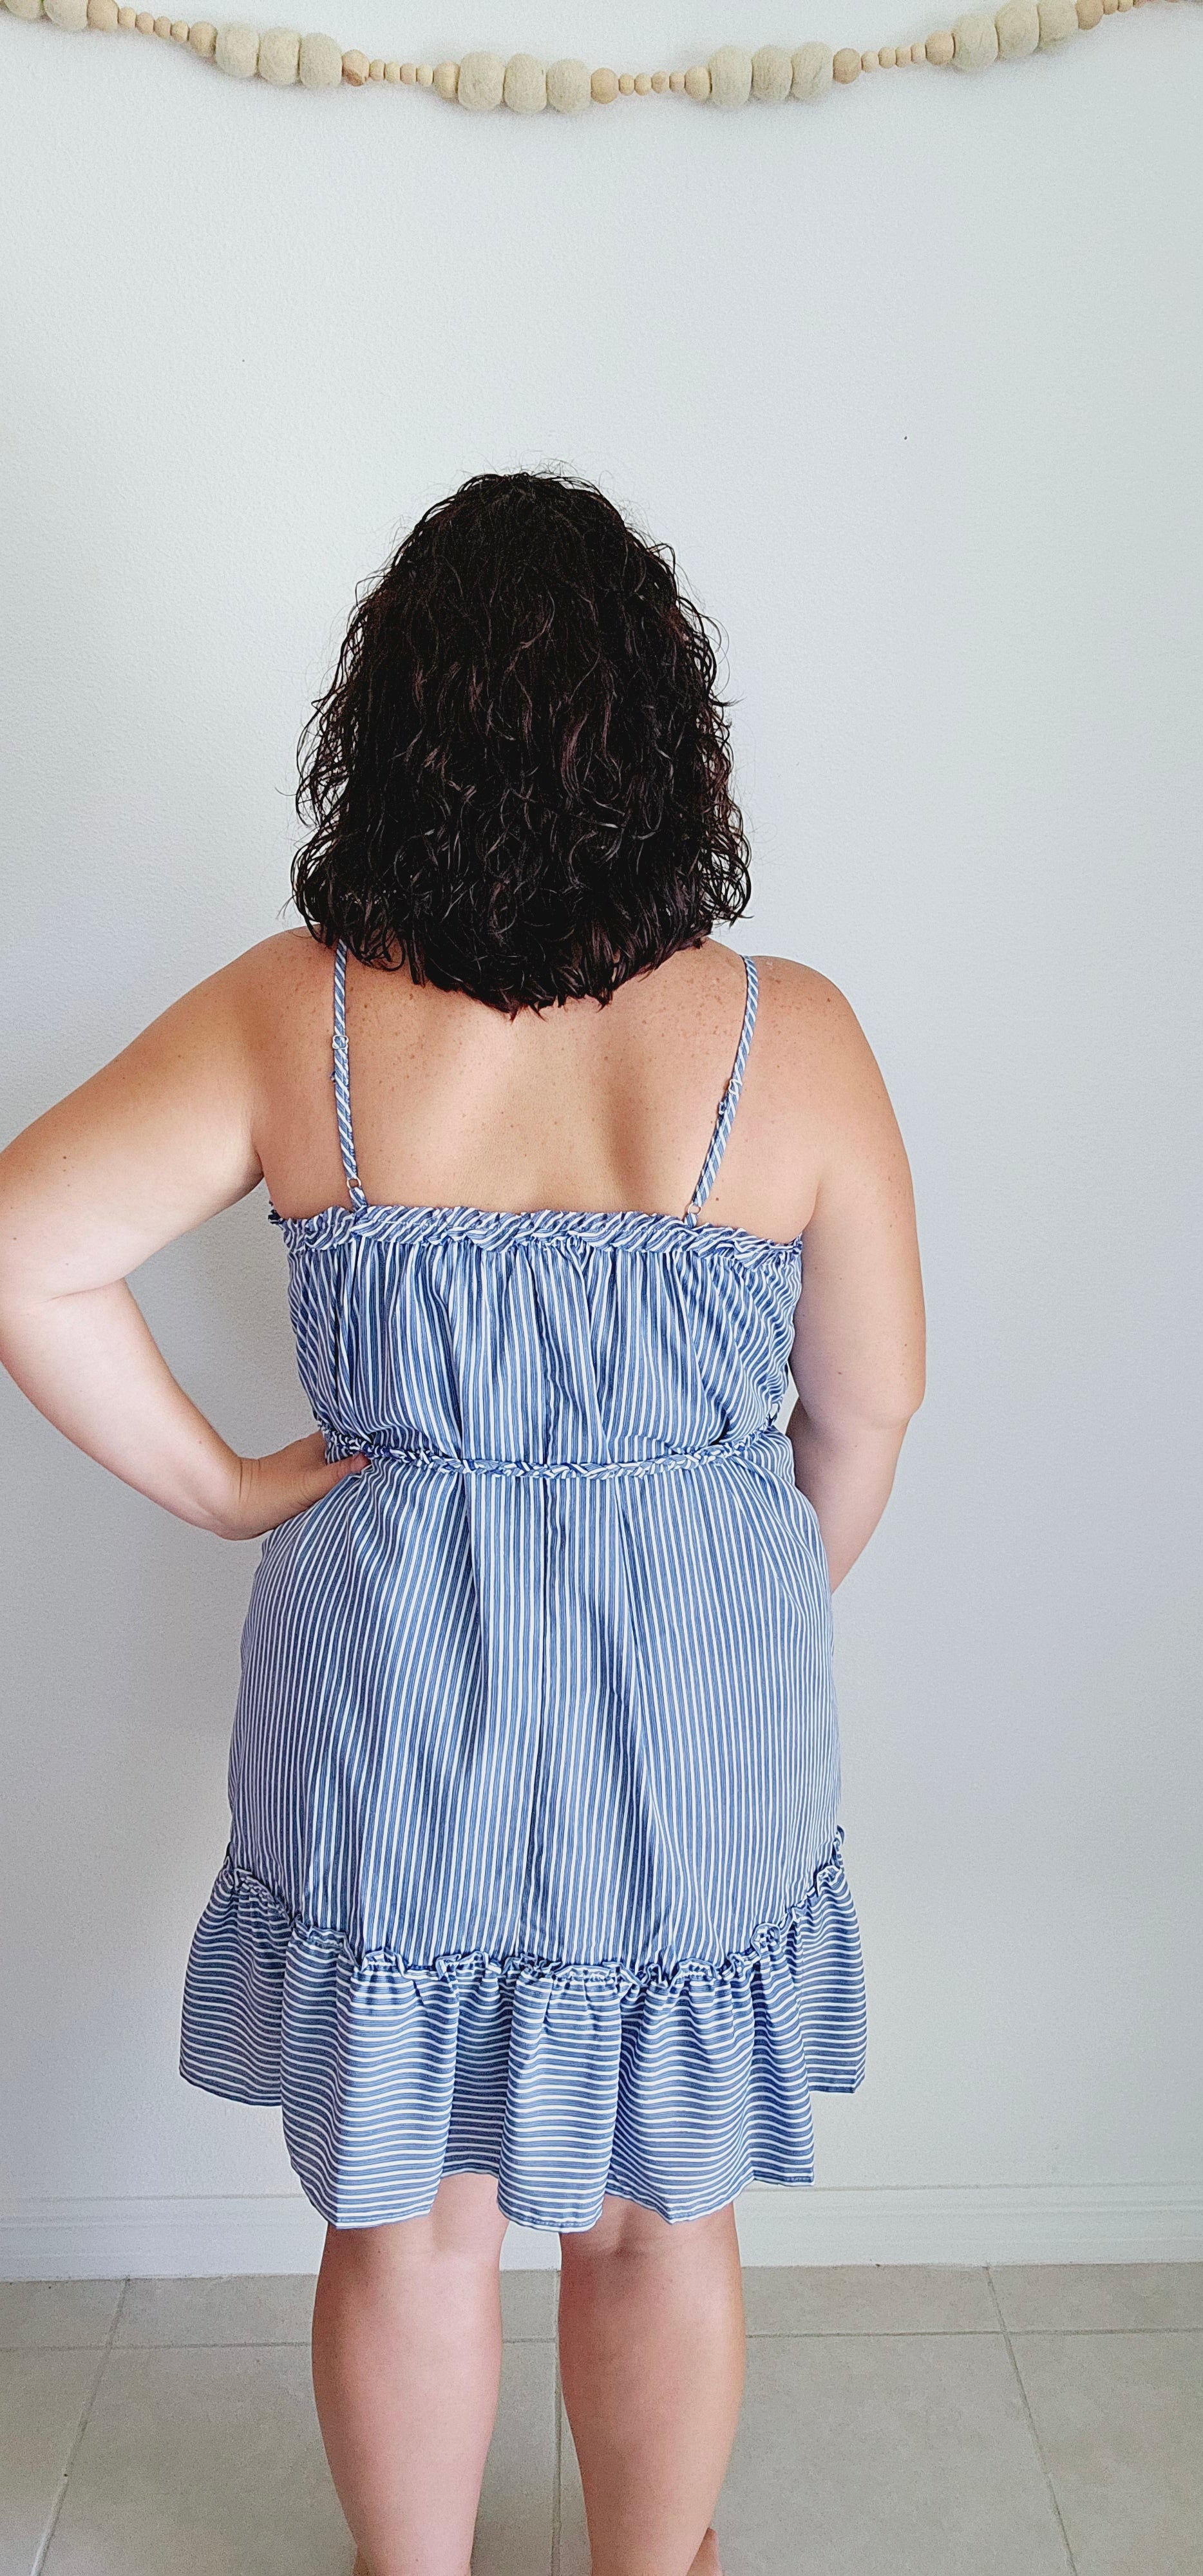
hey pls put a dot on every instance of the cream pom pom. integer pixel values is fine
(772, 74)
(525, 85)
(481, 82)
(812, 70)
(730, 76)
(1058, 19)
(1018, 24)
(522, 83)
(279, 56)
(975, 42)
(237, 51)
(320, 63)
(568, 86)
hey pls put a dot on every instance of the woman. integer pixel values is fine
(533, 1905)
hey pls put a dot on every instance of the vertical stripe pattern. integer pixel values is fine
(535, 1864)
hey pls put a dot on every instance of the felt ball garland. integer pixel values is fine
(484, 81)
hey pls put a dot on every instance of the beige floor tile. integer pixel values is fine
(208, 2462)
(245, 2308)
(885, 2455)
(42, 2399)
(201, 2463)
(871, 2457)
(514, 2524)
(1093, 2298)
(69, 2313)
(1120, 2422)
(883, 2298)
(528, 2306)
(574, 2536)
(278, 2308)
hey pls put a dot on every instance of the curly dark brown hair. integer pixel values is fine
(519, 779)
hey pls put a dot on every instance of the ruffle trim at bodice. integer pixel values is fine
(504, 1229)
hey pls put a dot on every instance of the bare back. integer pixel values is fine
(579, 1107)
(582, 1107)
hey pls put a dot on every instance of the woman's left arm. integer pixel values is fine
(153, 1144)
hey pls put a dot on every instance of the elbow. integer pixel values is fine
(890, 1405)
(902, 1413)
(879, 1420)
(908, 1381)
(914, 1394)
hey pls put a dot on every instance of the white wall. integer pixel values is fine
(913, 383)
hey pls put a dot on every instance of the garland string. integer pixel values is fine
(483, 81)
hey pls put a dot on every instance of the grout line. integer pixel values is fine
(755, 2334)
(1080, 2334)
(80, 2430)
(245, 2343)
(938, 2334)
(1038, 2446)
(221, 2343)
(559, 2448)
(878, 2334)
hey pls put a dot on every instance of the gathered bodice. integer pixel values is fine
(541, 1339)
(538, 1339)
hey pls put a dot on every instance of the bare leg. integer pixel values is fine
(652, 2361)
(406, 2360)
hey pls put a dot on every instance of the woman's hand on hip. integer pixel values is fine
(274, 1489)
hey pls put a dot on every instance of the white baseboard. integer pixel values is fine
(1053, 2223)
(990, 2223)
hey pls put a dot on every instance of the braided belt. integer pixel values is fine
(386, 1444)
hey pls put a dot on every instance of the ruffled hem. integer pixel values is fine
(673, 2088)
(500, 1228)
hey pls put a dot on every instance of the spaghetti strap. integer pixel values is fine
(341, 1078)
(728, 1104)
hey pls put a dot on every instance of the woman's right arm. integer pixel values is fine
(858, 1353)
(153, 1144)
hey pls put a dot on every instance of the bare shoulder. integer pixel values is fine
(813, 1045)
(289, 971)
(280, 973)
(265, 998)
(234, 1026)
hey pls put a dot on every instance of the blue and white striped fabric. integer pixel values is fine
(535, 1866)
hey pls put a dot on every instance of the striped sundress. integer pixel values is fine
(535, 1862)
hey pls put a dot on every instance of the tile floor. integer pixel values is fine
(1040, 2422)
